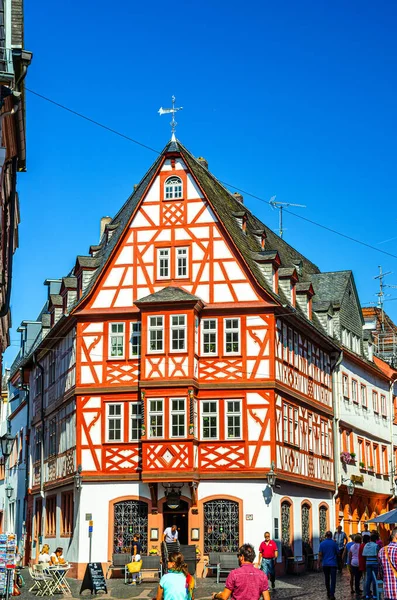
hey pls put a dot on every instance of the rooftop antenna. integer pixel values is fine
(381, 294)
(280, 206)
(167, 111)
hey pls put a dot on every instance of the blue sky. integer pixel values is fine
(289, 98)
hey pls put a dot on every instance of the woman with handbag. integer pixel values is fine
(177, 584)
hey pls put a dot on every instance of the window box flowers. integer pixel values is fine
(346, 458)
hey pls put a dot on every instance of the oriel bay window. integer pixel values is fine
(156, 334)
(116, 340)
(178, 333)
(156, 418)
(114, 422)
(232, 336)
(178, 417)
(209, 336)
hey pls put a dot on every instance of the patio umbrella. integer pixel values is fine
(389, 517)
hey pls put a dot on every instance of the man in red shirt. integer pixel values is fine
(246, 582)
(268, 552)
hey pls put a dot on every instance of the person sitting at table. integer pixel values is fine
(44, 556)
(57, 557)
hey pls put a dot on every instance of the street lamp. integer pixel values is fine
(350, 485)
(271, 476)
(6, 442)
(9, 489)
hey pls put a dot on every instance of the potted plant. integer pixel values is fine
(353, 455)
(153, 551)
(371, 468)
(362, 465)
(346, 457)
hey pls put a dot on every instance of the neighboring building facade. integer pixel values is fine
(14, 61)
(183, 358)
(363, 406)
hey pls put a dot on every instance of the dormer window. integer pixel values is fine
(173, 188)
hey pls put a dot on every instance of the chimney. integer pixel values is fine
(238, 197)
(104, 221)
(203, 162)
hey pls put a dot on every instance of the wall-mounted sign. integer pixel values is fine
(249, 517)
(357, 478)
(88, 516)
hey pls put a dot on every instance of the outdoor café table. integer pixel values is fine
(58, 573)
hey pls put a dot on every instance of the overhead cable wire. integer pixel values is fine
(130, 139)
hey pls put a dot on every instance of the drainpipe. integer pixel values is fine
(11, 203)
(40, 366)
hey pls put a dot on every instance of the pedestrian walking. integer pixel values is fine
(268, 553)
(245, 582)
(366, 533)
(341, 539)
(388, 567)
(370, 552)
(328, 559)
(177, 584)
(355, 562)
(346, 560)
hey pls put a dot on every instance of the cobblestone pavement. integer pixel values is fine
(309, 586)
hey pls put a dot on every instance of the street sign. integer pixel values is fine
(88, 516)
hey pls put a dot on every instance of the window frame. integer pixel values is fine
(232, 330)
(138, 335)
(173, 190)
(51, 516)
(156, 413)
(375, 401)
(155, 328)
(108, 417)
(52, 437)
(345, 386)
(138, 419)
(202, 416)
(177, 412)
(383, 405)
(355, 391)
(238, 413)
(363, 387)
(116, 334)
(177, 257)
(208, 332)
(67, 513)
(178, 328)
(159, 258)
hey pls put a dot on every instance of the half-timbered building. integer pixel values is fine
(182, 360)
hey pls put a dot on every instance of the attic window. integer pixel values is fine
(173, 188)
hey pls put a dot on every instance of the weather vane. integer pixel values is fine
(173, 110)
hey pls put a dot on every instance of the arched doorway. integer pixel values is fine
(179, 517)
(130, 517)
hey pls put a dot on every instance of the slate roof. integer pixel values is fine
(168, 294)
(331, 286)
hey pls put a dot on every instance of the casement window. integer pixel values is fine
(178, 333)
(116, 340)
(376, 459)
(345, 384)
(209, 336)
(37, 444)
(232, 336)
(51, 367)
(114, 422)
(310, 432)
(38, 518)
(52, 437)
(156, 334)
(361, 453)
(368, 455)
(291, 424)
(163, 263)
(135, 421)
(50, 516)
(181, 262)
(173, 188)
(178, 417)
(375, 401)
(233, 419)
(135, 339)
(354, 391)
(363, 390)
(383, 405)
(209, 420)
(156, 418)
(290, 345)
(385, 461)
(324, 439)
(67, 510)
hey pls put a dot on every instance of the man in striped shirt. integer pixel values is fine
(388, 567)
(370, 552)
